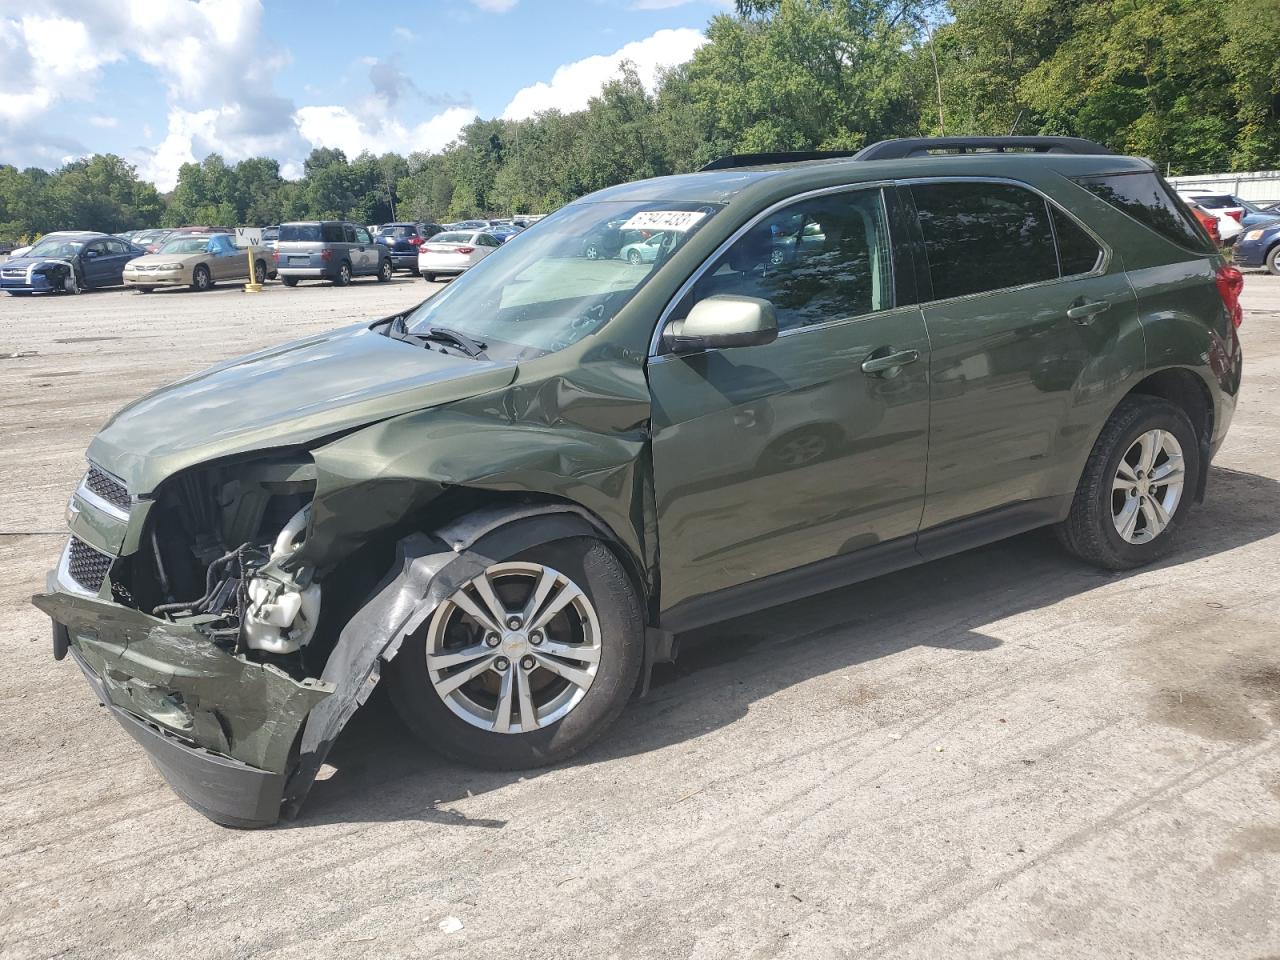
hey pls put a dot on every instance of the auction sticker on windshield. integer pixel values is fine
(678, 220)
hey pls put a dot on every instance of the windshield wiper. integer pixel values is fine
(472, 348)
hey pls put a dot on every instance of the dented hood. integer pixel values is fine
(284, 396)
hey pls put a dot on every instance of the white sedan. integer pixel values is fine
(452, 253)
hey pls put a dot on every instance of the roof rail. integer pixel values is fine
(760, 159)
(929, 146)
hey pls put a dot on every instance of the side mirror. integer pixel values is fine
(723, 321)
(91, 254)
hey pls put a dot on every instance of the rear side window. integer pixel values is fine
(984, 236)
(1077, 251)
(300, 233)
(332, 233)
(1143, 197)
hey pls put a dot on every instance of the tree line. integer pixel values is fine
(1192, 84)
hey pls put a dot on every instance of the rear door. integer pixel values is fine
(1025, 309)
(771, 457)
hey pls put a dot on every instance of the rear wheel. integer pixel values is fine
(344, 275)
(201, 279)
(1137, 487)
(526, 664)
(384, 271)
(289, 281)
(259, 270)
(429, 277)
(144, 289)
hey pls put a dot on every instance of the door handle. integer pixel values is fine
(1082, 312)
(875, 365)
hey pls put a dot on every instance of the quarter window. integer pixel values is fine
(984, 236)
(820, 259)
(1077, 251)
(1144, 197)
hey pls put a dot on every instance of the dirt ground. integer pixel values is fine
(1000, 754)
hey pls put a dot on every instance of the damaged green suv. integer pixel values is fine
(510, 499)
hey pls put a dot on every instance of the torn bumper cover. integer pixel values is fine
(242, 742)
(221, 730)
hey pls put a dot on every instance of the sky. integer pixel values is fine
(165, 82)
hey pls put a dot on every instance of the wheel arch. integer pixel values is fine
(1187, 391)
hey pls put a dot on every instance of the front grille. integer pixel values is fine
(86, 565)
(13, 274)
(99, 482)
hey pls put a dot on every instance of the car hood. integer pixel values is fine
(26, 263)
(155, 259)
(284, 396)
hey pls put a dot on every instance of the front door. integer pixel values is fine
(1024, 314)
(226, 259)
(771, 457)
(96, 264)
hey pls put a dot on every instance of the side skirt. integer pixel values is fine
(865, 564)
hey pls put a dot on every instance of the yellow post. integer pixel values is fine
(253, 286)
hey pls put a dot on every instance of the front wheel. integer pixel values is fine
(526, 664)
(384, 272)
(201, 279)
(1273, 260)
(1137, 486)
(259, 270)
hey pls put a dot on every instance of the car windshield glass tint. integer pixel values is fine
(305, 232)
(565, 280)
(54, 247)
(185, 245)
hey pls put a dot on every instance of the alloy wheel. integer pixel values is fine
(515, 649)
(1147, 487)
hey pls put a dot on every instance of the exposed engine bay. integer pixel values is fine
(221, 551)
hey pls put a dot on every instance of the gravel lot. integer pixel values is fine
(999, 754)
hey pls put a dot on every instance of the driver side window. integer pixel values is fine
(819, 259)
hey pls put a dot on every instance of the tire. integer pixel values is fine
(259, 270)
(413, 271)
(72, 284)
(633, 257)
(1091, 530)
(144, 289)
(608, 593)
(201, 279)
(592, 251)
(1273, 260)
(289, 281)
(384, 271)
(343, 278)
(429, 277)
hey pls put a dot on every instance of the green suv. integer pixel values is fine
(511, 498)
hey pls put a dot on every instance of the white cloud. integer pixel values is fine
(404, 33)
(104, 122)
(377, 132)
(494, 6)
(574, 84)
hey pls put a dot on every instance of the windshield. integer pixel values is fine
(186, 245)
(56, 247)
(565, 280)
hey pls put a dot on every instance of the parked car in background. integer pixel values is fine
(1228, 227)
(333, 250)
(504, 232)
(1206, 220)
(201, 228)
(6, 247)
(68, 261)
(197, 261)
(453, 252)
(1259, 247)
(150, 240)
(643, 251)
(468, 225)
(1241, 211)
(403, 241)
(269, 236)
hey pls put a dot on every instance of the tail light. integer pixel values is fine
(325, 255)
(1236, 215)
(415, 241)
(1210, 223)
(1230, 283)
(275, 255)
(466, 250)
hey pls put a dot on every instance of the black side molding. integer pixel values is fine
(907, 147)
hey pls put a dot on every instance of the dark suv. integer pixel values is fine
(512, 498)
(333, 250)
(404, 239)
